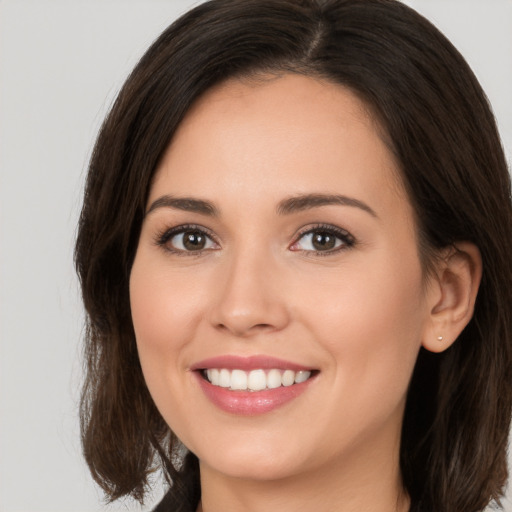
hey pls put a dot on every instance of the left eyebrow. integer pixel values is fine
(187, 204)
(305, 202)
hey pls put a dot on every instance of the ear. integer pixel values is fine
(452, 294)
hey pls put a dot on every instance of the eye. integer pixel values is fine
(323, 239)
(185, 239)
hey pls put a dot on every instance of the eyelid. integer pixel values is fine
(348, 240)
(162, 237)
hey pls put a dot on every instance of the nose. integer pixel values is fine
(250, 298)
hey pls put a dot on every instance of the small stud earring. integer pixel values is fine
(439, 338)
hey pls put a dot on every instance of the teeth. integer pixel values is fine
(255, 380)
(274, 379)
(288, 378)
(238, 380)
(224, 379)
(301, 377)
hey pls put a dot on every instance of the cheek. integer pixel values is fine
(369, 318)
(162, 310)
(382, 296)
(163, 304)
(164, 313)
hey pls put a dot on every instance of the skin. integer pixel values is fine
(358, 315)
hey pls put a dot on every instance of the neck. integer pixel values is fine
(366, 481)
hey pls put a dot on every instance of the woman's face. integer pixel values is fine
(278, 246)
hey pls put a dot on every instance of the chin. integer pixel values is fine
(262, 468)
(253, 460)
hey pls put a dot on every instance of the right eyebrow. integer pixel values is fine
(186, 204)
(304, 202)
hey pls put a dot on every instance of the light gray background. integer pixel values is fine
(61, 63)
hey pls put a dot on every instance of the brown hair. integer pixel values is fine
(442, 131)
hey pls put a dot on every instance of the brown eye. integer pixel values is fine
(194, 240)
(187, 240)
(323, 241)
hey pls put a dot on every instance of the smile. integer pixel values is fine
(252, 385)
(254, 380)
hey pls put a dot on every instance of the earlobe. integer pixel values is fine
(453, 294)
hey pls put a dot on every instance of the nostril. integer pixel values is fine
(240, 329)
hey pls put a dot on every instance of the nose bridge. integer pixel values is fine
(249, 298)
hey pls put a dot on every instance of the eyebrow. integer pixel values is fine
(285, 207)
(305, 202)
(187, 204)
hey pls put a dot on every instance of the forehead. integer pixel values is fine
(277, 101)
(275, 135)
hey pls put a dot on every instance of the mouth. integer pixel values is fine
(252, 385)
(255, 380)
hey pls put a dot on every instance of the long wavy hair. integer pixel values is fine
(443, 134)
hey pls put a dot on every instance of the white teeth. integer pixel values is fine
(301, 376)
(238, 380)
(224, 378)
(288, 378)
(255, 380)
(214, 376)
(274, 379)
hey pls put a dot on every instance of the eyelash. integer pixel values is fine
(163, 238)
(347, 240)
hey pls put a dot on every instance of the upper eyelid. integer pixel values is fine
(162, 237)
(188, 227)
(340, 232)
(167, 234)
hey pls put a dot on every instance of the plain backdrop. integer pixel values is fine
(61, 64)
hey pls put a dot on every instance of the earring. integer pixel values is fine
(439, 338)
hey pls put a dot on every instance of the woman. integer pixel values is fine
(294, 251)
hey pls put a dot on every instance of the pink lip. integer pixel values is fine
(249, 403)
(249, 363)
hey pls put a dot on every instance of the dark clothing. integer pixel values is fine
(170, 503)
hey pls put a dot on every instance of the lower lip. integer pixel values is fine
(251, 403)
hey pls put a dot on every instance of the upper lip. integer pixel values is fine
(247, 363)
